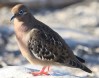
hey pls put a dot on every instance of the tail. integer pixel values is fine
(78, 64)
(86, 69)
(80, 59)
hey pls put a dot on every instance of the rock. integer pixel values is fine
(96, 31)
(97, 50)
(5, 33)
(2, 64)
(24, 72)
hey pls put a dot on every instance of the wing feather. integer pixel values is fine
(46, 46)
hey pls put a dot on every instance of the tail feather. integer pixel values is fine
(80, 59)
(79, 65)
(86, 69)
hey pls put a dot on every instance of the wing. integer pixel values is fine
(47, 46)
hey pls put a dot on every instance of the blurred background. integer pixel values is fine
(77, 21)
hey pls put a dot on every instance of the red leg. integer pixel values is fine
(42, 72)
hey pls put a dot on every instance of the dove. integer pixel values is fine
(40, 44)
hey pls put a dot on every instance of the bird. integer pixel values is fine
(40, 44)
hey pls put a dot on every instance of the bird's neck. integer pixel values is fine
(21, 27)
(24, 25)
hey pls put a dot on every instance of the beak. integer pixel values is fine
(12, 17)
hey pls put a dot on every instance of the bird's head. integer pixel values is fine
(19, 11)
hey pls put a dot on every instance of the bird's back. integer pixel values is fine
(48, 45)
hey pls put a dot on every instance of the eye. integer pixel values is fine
(21, 12)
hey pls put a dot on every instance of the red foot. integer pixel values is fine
(42, 72)
(39, 73)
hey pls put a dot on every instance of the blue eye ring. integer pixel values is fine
(21, 12)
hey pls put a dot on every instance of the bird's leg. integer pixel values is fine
(42, 72)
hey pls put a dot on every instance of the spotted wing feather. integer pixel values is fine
(46, 46)
(51, 47)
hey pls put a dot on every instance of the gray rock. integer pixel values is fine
(24, 72)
